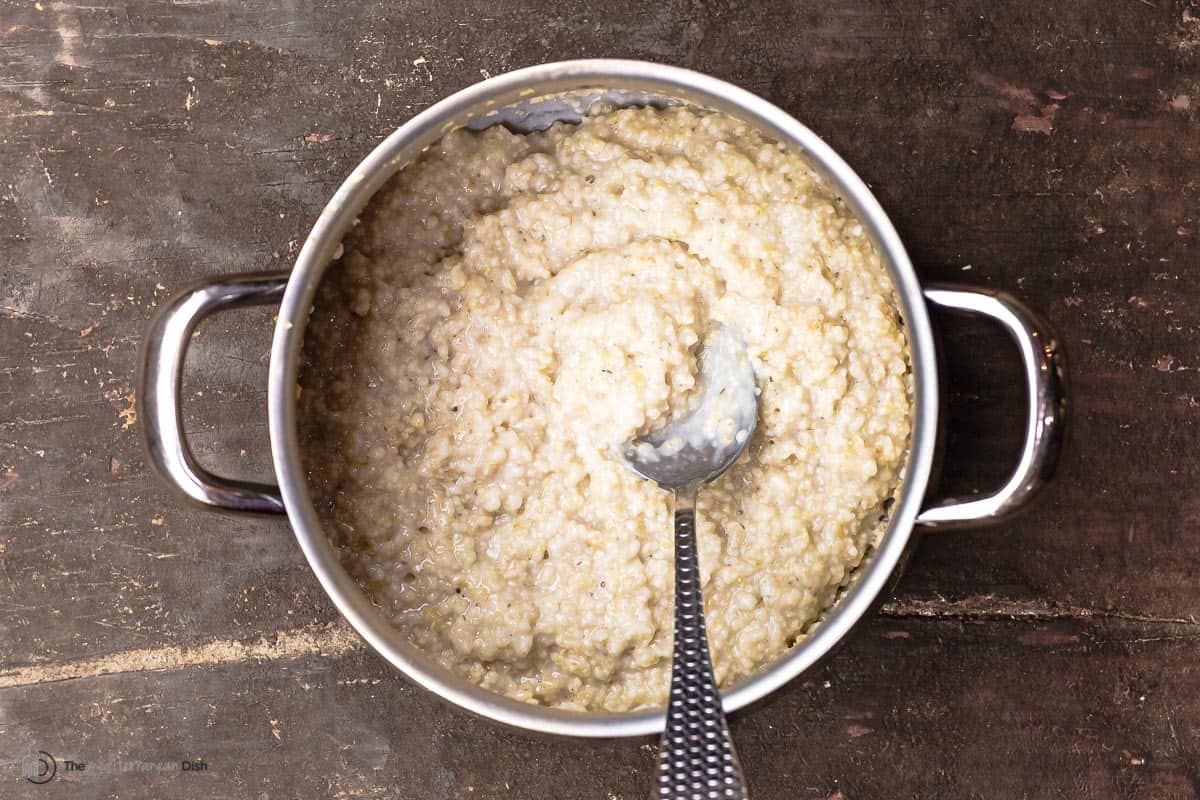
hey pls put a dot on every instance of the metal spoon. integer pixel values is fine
(696, 759)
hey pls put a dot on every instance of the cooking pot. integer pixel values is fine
(534, 98)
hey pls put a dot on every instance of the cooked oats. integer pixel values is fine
(510, 309)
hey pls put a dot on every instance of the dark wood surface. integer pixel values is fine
(1048, 148)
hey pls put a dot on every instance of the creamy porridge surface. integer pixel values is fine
(509, 309)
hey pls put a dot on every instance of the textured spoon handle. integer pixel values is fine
(696, 760)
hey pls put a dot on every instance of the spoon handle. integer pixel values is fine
(696, 760)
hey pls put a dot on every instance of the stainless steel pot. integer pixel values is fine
(533, 98)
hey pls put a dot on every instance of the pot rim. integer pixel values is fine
(870, 578)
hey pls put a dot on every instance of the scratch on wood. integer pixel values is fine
(314, 640)
(16, 313)
(45, 169)
(20, 422)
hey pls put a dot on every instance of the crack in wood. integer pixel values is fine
(988, 607)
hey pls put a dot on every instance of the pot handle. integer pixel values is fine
(158, 391)
(1042, 360)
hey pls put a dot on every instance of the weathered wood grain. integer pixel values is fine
(1049, 148)
(973, 707)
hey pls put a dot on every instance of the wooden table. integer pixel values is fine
(1047, 148)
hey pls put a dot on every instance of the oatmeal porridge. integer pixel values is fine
(510, 309)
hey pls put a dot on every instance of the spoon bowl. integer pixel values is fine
(701, 446)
